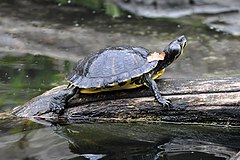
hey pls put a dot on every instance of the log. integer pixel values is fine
(201, 101)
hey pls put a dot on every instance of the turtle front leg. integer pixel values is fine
(59, 101)
(149, 82)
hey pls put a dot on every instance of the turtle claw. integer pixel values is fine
(57, 108)
(169, 100)
(166, 103)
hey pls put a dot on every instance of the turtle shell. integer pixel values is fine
(111, 66)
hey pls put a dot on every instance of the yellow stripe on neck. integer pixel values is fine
(159, 73)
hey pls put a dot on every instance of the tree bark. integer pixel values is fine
(208, 101)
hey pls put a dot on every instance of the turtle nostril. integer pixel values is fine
(181, 38)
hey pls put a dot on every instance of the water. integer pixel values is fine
(23, 77)
(37, 51)
(118, 141)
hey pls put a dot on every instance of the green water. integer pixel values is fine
(24, 77)
(38, 50)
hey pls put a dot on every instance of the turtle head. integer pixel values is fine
(174, 49)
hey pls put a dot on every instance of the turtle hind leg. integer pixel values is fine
(58, 102)
(149, 82)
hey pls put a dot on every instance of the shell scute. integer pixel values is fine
(111, 66)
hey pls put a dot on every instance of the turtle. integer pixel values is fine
(119, 68)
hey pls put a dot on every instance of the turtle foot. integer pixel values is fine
(59, 101)
(57, 106)
(166, 103)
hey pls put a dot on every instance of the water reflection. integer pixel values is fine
(122, 141)
(144, 141)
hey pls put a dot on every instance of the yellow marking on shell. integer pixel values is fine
(128, 85)
(159, 73)
(116, 86)
(112, 84)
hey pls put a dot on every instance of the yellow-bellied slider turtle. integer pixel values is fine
(117, 68)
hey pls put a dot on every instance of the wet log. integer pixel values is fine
(205, 101)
